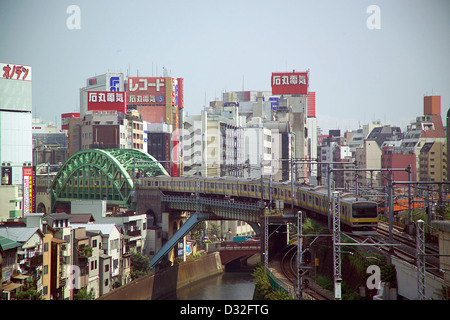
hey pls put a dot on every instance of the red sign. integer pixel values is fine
(180, 93)
(107, 101)
(290, 83)
(311, 104)
(147, 91)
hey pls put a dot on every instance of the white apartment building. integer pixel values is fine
(257, 149)
(368, 156)
(212, 143)
(15, 120)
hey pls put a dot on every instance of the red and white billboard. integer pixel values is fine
(147, 91)
(289, 82)
(15, 71)
(107, 101)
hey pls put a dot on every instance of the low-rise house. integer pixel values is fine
(29, 255)
(110, 244)
(8, 263)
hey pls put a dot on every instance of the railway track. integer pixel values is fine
(406, 249)
(288, 264)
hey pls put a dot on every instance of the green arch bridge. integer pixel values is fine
(97, 174)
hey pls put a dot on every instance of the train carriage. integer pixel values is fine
(357, 213)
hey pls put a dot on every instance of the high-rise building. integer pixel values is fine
(159, 100)
(98, 99)
(426, 128)
(16, 126)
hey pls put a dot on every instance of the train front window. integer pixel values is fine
(365, 210)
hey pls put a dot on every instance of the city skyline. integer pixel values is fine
(359, 74)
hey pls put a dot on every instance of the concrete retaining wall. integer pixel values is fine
(155, 286)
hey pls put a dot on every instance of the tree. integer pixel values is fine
(214, 230)
(30, 294)
(140, 265)
(82, 294)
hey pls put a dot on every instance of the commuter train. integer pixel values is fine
(357, 213)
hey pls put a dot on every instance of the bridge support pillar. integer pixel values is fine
(171, 223)
(278, 238)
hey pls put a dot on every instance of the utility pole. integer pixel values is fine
(336, 245)
(299, 254)
(266, 240)
(420, 252)
(391, 206)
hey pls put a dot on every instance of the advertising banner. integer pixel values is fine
(147, 91)
(290, 83)
(107, 101)
(27, 192)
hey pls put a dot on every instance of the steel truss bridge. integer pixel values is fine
(98, 174)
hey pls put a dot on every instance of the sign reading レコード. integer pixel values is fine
(147, 90)
(290, 83)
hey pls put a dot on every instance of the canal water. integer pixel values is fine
(225, 286)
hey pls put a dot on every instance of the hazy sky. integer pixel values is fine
(360, 74)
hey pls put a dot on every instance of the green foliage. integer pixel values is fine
(85, 251)
(82, 294)
(30, 293)
(325, 282)
(214, 230)
(263, 288)
(140, 265)
(361, 261)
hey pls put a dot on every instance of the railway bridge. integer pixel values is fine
(98, 174)
(118, 176)
(155, 204)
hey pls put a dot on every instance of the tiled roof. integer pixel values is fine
(6, 244)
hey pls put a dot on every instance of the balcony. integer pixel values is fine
(84, 252)
(35, 261)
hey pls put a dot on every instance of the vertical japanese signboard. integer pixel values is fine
(28, 182)
(290, 83)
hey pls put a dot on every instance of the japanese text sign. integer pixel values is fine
(290, 83)
(15, 72)
(107, 101)
(147, 90)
